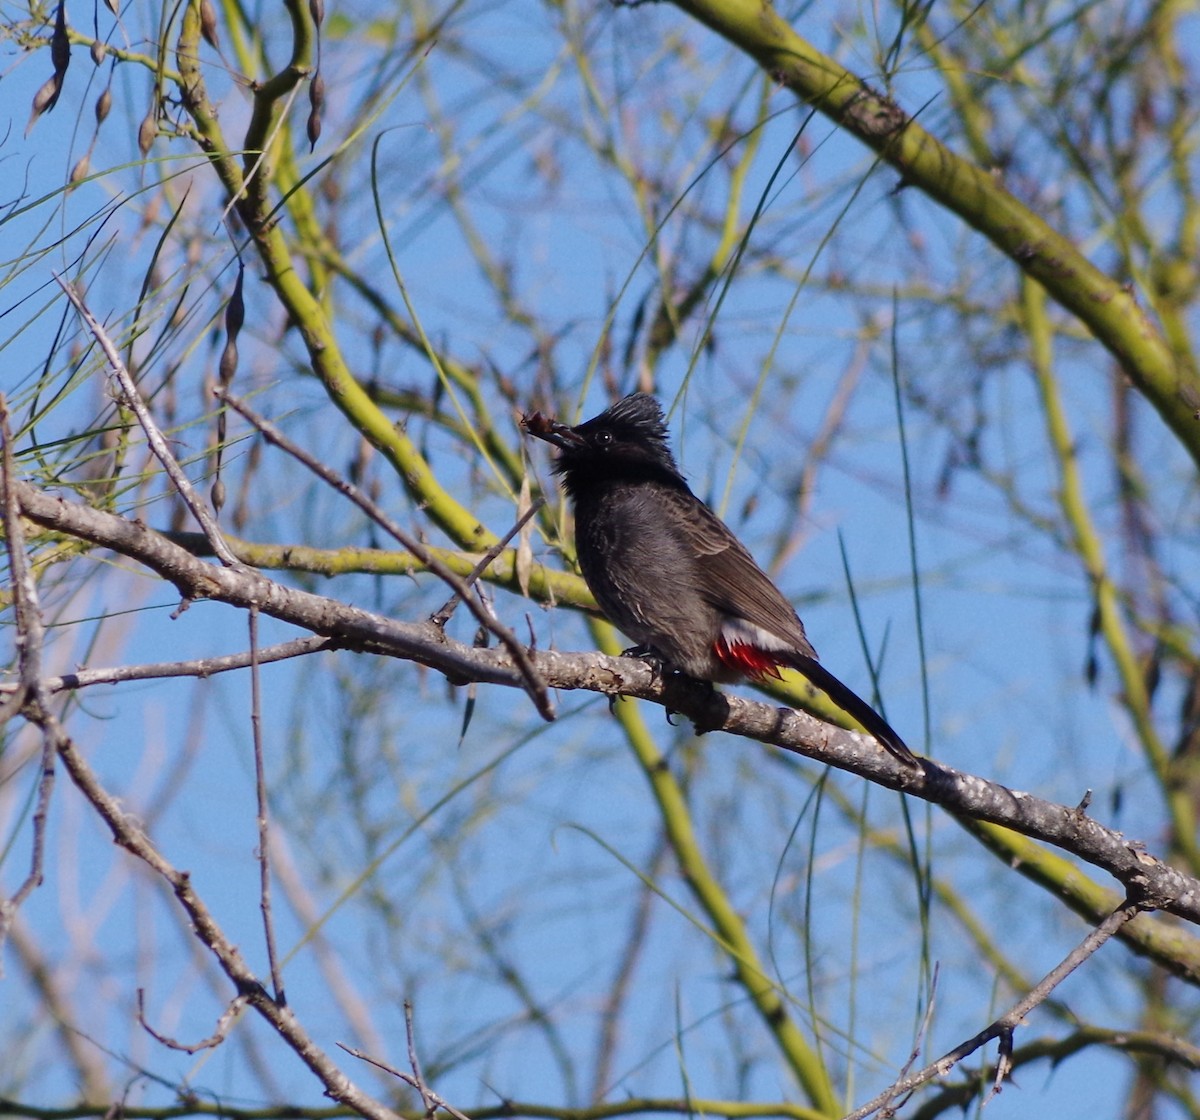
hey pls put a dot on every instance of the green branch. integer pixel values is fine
(1104, 305)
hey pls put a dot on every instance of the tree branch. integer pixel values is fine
(967, 795)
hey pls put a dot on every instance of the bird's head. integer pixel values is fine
(629, 439)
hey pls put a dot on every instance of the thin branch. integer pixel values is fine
(1004, 1027)
(199, 667)
(895, 1090)
(31, 696)
(408, 1079)
(957, 1096)
(534, 685)
(427, 1095)
(221, 1031)
(154, 437)
(264, 820)
(192, 1105)
(442, 616)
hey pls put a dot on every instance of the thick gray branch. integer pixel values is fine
(1070, 829)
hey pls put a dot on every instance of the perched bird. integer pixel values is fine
(668, 572)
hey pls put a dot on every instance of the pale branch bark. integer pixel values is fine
(196, 1106)
(32, 696)
(1070, 829)
(196, 667)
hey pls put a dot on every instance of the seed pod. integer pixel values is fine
(208, 24)
(44, 99)
(229, 360)
(147, 132)
(103, 105)
(60, 42)
(316, 98)
(82, 167)
(524, 561)
(316, 9)
(235, 316)
(235, 309)
(98, 50)
(112, 6)
(218, 495)
(46, 95)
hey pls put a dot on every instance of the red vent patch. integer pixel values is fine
(749, 660)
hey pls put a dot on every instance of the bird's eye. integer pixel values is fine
(604, 437)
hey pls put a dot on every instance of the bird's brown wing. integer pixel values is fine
(732, 581)
(736, 586)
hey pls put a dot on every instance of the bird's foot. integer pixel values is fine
(696, 689)
(648, 654)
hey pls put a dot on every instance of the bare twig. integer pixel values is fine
(442, 616)
(31, 697)
(415, 1064)
(1004, 1027)
(408, 1079)
(264, 820)
(887, 1108)
(534, 685)
(199, 667)
(194, 501)
(210, 1043)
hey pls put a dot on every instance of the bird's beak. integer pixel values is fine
(561, 435)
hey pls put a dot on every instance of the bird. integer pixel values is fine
(668, 572)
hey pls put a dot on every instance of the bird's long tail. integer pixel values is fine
(853, 704)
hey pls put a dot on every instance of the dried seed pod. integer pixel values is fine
(103, 105)
(82, 166)
(229, 360)
(218, 495)
(60, 42)
(235, 316)
(147, 131)
(235, 309)
(98, 51)
(46, 95)
(316, 98)
(208, 24)
(316, 9)
(112, 6)
(524, 560)
(44, 99)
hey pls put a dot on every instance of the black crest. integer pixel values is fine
(630, 438)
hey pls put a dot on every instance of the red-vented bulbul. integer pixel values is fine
(668, 572)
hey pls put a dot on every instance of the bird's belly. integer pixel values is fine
(646, 586)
